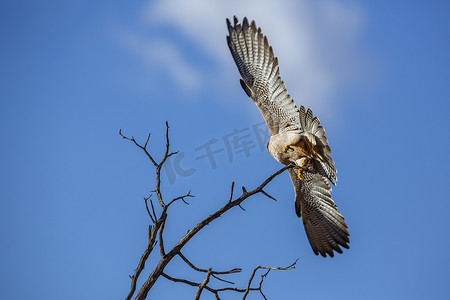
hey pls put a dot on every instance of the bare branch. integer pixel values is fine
(231, 192)
(223, 280)
(148, 284)
(153, 209)
(260, 284)
(151, 243)
(159, 166)
(210, 272)
(188, 282)
(235, 270)
(268, 196)
(166, 154)
(248, 289)
(181, 198)
(148, 211)
(144, 148)
(160, 235)
(202, 285)
(155, 233)
(214, 291)
(172, 153)
(146, 142)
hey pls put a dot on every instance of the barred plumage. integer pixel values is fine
(297, 137)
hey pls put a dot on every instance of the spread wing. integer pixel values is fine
(324, 225)
(261, 76)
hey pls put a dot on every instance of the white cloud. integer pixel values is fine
(316, 41)
(164, 55)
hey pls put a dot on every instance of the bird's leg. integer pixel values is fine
(302, 163)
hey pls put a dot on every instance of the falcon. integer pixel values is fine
(296, 138)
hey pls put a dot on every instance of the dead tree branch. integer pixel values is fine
(248, 289)
(156, 230)
(245, 291)
(202, 285)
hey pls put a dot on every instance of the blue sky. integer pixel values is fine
(72, 217)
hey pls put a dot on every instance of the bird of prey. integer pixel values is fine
(296, 138)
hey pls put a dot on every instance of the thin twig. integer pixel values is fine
(181, 198)
(142, 147)
(248, 289)
(153, 209)
(231, 192)
(167, 144)
(235, 270)
(191, 283)
(158, 169)
(268, 196)
(202, 285)
(221, 279)
(148, 211)
(261, 282)
(146, 142)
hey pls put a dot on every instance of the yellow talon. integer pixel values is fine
(285, 148)
(300, 174)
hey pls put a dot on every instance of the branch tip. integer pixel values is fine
(268, 196)
(146, 142)
(231, 192)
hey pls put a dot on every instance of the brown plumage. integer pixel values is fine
(297, 137)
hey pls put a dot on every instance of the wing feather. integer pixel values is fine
(260, 72)
(325, 227)
(311, 128)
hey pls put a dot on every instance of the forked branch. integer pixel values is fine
(156, 233)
